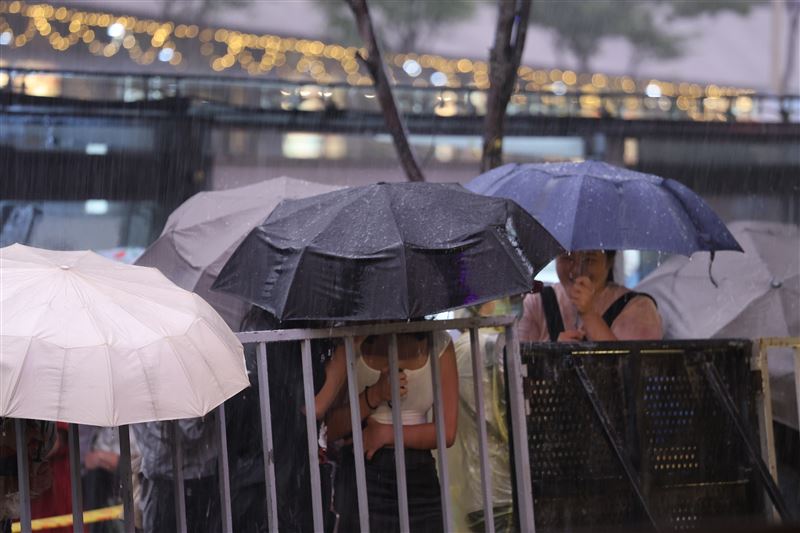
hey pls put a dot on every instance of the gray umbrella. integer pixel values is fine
(202, 233)
(758, 296)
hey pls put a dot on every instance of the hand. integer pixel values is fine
(376, 436)
(582, 294)
(383, 387)
(101, 459)
(571, 335)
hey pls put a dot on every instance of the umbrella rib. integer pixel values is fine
(205, 361)
(183, 367)
(147, 381)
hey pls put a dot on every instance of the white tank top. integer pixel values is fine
(419, 398)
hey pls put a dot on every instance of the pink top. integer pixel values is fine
(639, 320)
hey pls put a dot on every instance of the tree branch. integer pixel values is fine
(374, 64)
(504, 60)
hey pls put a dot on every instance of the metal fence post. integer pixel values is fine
(266, 436)
(358, 439)
(397, 426)
(313, 443)
(23, 478)
(126, 480)
(519, 432)
(177, 477)
(224, 472)
(441, 436)
(480, 420)
(75, 478)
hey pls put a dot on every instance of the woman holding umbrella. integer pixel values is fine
(586, 304)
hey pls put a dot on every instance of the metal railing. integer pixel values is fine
(517, 416)
(263, 339)
(215, 94)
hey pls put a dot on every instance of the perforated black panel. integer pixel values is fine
(692, 467)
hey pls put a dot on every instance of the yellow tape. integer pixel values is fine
(65, 520)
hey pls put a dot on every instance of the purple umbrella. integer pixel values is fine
(596, 206)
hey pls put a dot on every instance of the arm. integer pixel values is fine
(638, 321)
(422, 436)
(338, 420)
(529, 327)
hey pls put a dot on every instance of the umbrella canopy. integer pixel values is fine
(202, 233)
(387, 251)
(596, 206)
(90, 341)
(758, 292)
(758, 295)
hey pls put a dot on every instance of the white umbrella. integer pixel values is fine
(86, 340)
(757, 292)
(758, 295)
(202, 233)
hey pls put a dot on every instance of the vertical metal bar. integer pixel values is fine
(126, 481)
(796, 378)
(519, 433)
(441, 437)
(266, 436)
(23, 478)
(358, 442)
(722, 396)
(399, 449)
(764, 412)
(311, 430)
(224, 474)
(75, 478)
(480, 420)
(179, 492)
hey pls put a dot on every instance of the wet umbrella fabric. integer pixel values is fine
(88, 340)
(592, 205)
(387, 251)
(758, 292)
(202, 233)
(758, 295)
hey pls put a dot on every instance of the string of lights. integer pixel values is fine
(146, 41)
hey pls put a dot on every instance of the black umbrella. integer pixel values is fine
(387, 251)
(596, 206)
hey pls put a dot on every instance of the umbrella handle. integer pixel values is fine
(710, 275)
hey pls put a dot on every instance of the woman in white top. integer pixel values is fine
(419, 435)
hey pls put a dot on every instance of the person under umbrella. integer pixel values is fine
(594, 208)
(389, 252)
(587, 304)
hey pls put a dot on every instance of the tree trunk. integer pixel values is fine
(504, 59)
(791, 48)
(374, 64)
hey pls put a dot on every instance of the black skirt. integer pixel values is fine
(424, 497)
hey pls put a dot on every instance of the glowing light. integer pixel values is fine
(559, 88)
(165, 54)
(412, 68)
(5, 38)
(439, 79)
(116, 30)
(95, 207)
(653, 91)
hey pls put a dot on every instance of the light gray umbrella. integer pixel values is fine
(758, 292)
(202, 233)
(758, 295)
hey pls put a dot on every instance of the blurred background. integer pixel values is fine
(114, 112)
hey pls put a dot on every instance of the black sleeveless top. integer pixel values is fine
(555, 322)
